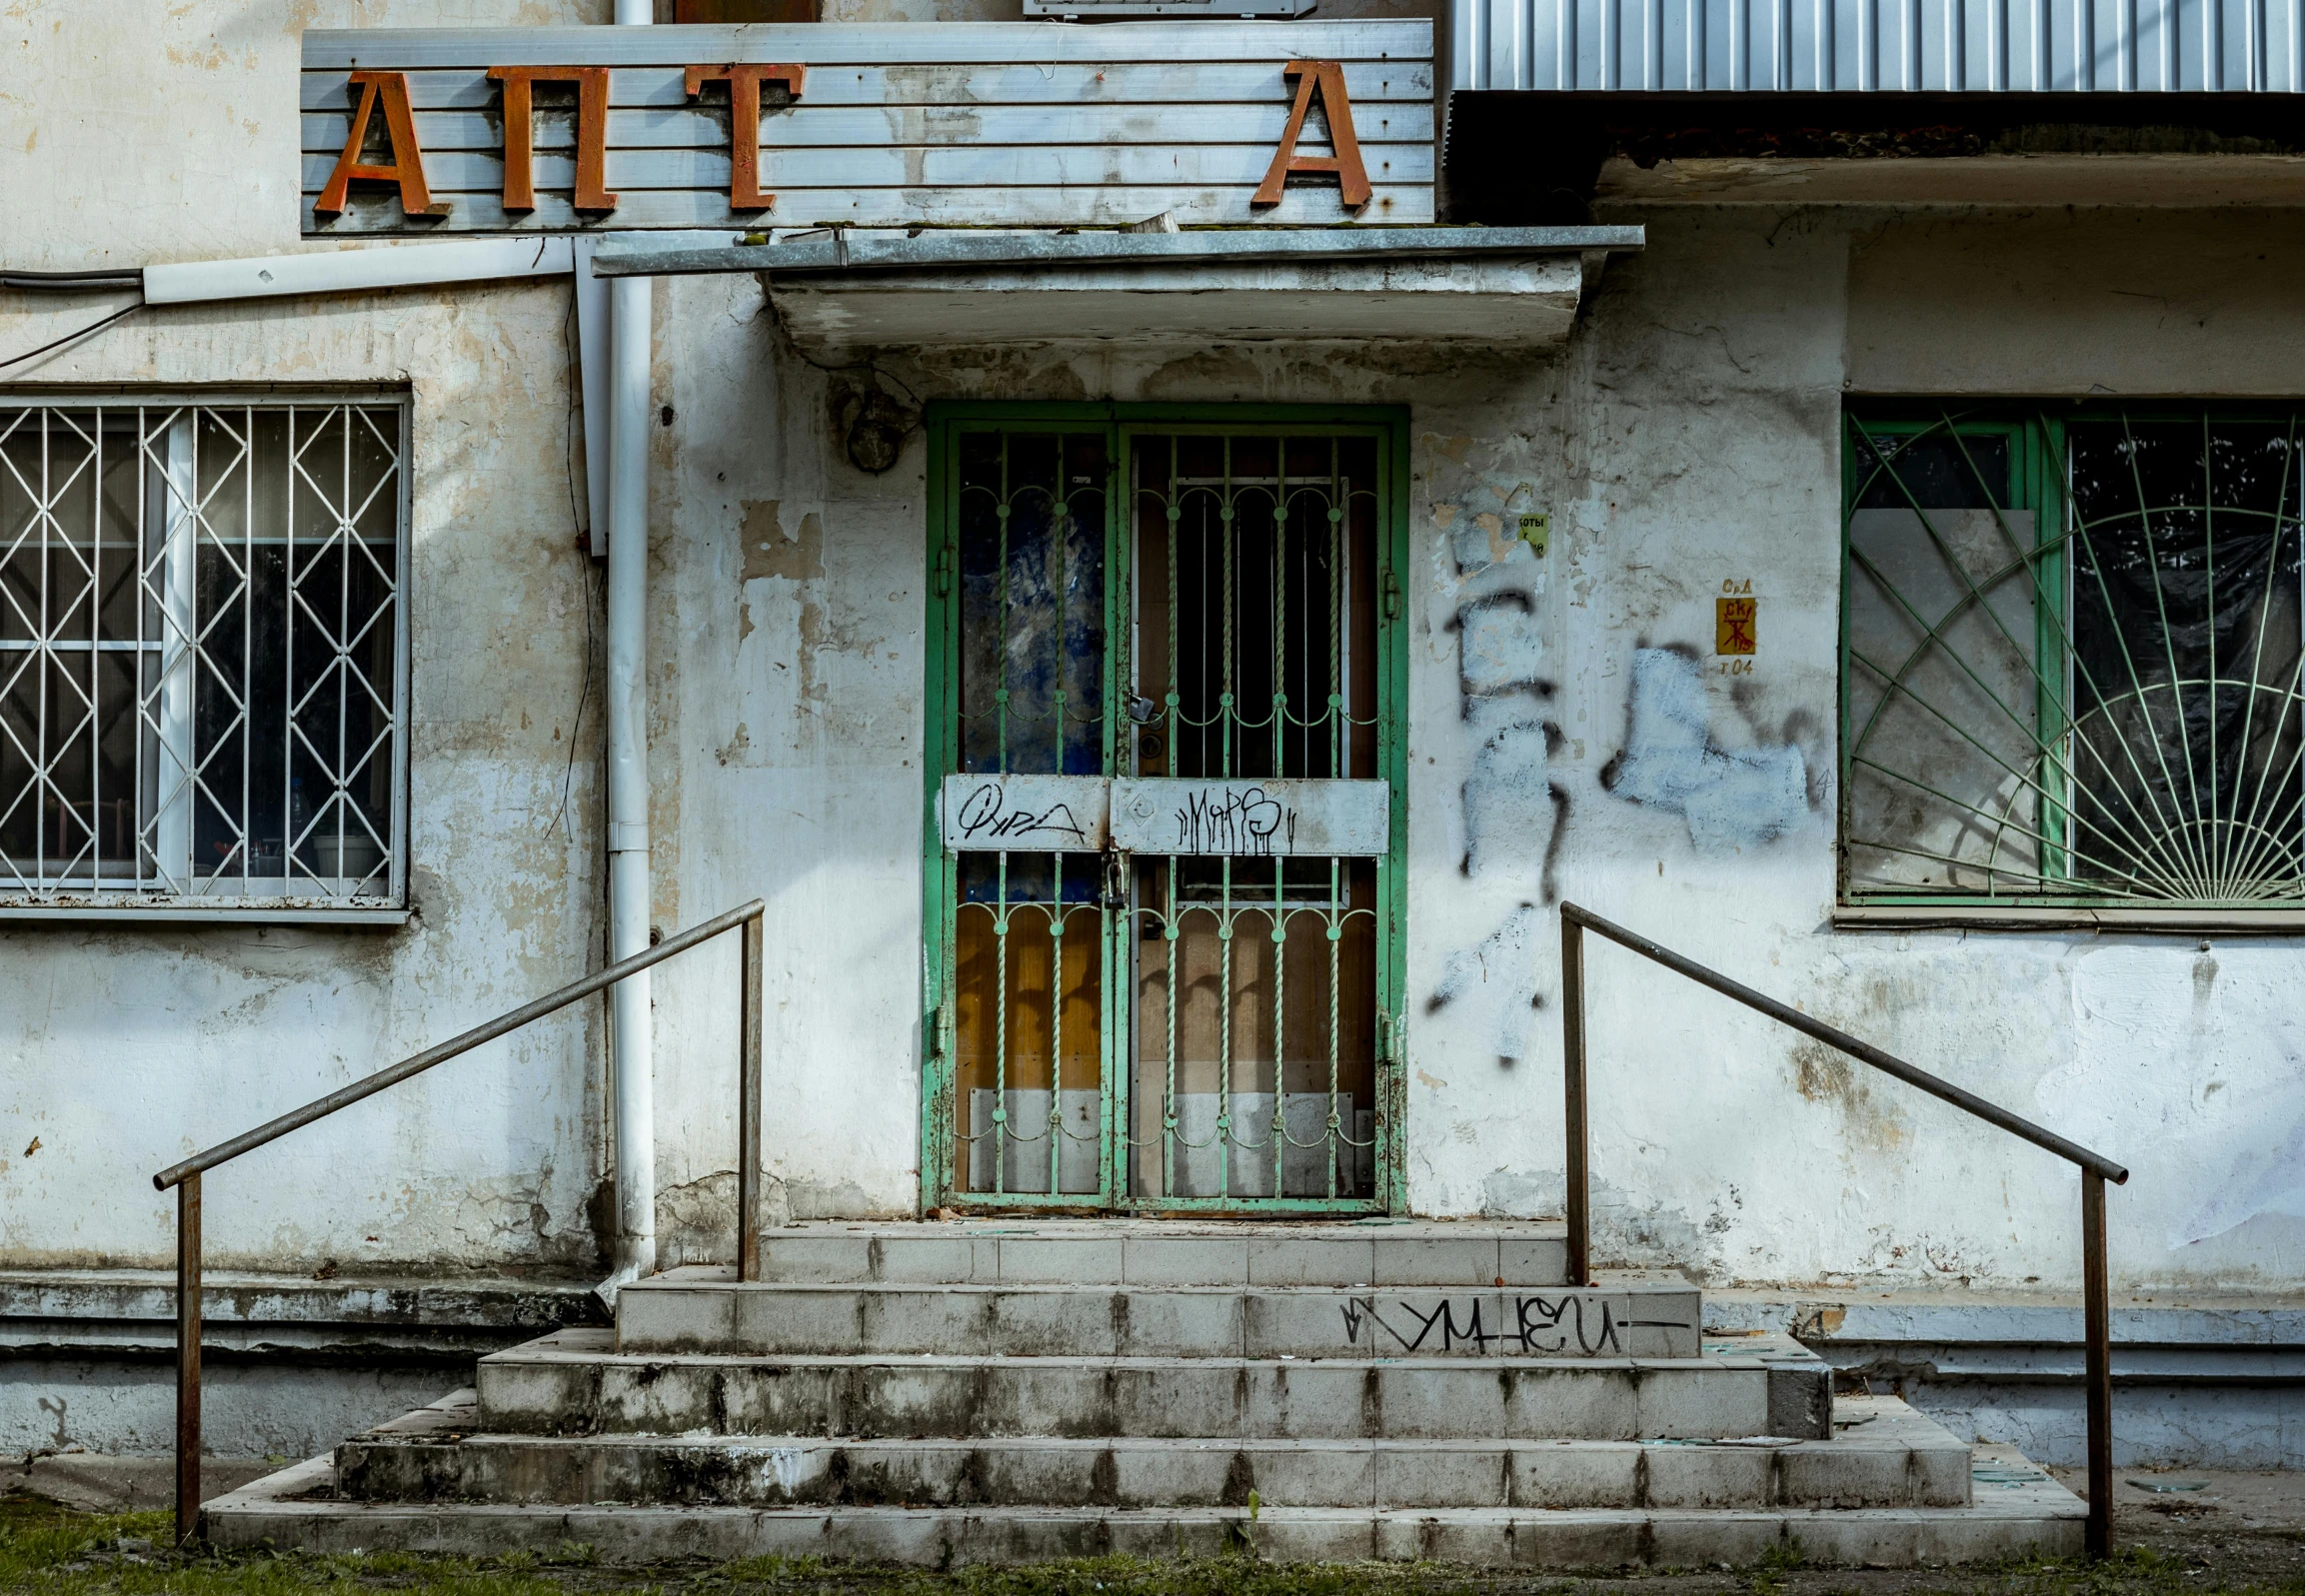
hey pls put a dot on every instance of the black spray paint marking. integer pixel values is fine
(1227, 821)
(1731, 797)
(1514, 815)
(1540, 1318)
(1541, 1326)
(1498, 649)
(1508, 801)
(1502, 967)
(1551, 878)
(981, 815)
(1362, 1310)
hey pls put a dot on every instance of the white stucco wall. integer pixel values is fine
(1695, 443)
(1687, 436)
(146, 132)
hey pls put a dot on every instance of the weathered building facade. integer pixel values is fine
(1874, 575)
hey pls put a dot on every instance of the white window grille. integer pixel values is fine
(203, 655)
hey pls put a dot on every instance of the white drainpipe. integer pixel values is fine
(631, 302)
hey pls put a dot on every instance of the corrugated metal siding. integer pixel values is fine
(1865, 45)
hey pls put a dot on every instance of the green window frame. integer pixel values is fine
(2070, 664)
(943, 1180)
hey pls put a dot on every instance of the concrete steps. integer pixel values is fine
(574, 1384)
(1887, 1457)
(696, 1311)
(2030, 1514)
(1384, 1253)
(1008, 1390)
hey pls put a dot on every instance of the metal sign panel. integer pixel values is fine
(1322, 818)
(1087, 813)
(1024, 814)
(1018, 124)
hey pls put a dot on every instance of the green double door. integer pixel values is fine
(1164, 809)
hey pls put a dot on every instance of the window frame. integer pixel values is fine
(2038, 430)
(22, 906)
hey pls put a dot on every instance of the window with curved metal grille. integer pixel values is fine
(202, 654)
(2071, 659)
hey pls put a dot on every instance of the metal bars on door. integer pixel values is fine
(1163, 632)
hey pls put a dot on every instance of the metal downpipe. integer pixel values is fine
(630, 310)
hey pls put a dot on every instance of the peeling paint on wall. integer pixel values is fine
(770, 550)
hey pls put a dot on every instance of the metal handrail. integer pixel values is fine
(2095, 1168)
(184, 1176)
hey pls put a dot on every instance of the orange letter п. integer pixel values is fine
(592, 83)
(1324, 81)
(744, 81)
(406, 168)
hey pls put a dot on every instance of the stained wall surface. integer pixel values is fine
(143, 132)
(1568, 739)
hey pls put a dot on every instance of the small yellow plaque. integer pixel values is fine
(1537, 532)
(1733, 626)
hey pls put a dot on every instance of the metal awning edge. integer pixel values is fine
(834, 252)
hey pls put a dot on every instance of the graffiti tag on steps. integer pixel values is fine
(1537, 1326)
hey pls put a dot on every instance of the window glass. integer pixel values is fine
(2082, 690)
(200, 654)
(2185, 655)
(1932, 470)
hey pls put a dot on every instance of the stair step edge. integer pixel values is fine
(2030, 1515)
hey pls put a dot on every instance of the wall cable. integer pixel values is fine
(74, 337)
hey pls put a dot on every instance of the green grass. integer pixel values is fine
(46, 1550)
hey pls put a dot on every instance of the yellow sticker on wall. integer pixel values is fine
(1537, 532)
(1733, 626)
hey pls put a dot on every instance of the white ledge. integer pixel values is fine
(849, 249)
(14, 917)
(2019, 918)
(1486, 302)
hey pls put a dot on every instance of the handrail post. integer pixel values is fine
(1572, 1086)
(187, 1358)
(2097, 1378)
(748, 1105)
(2096, 1168)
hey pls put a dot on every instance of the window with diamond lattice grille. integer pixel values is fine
(202, 654)
(2071, 665)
